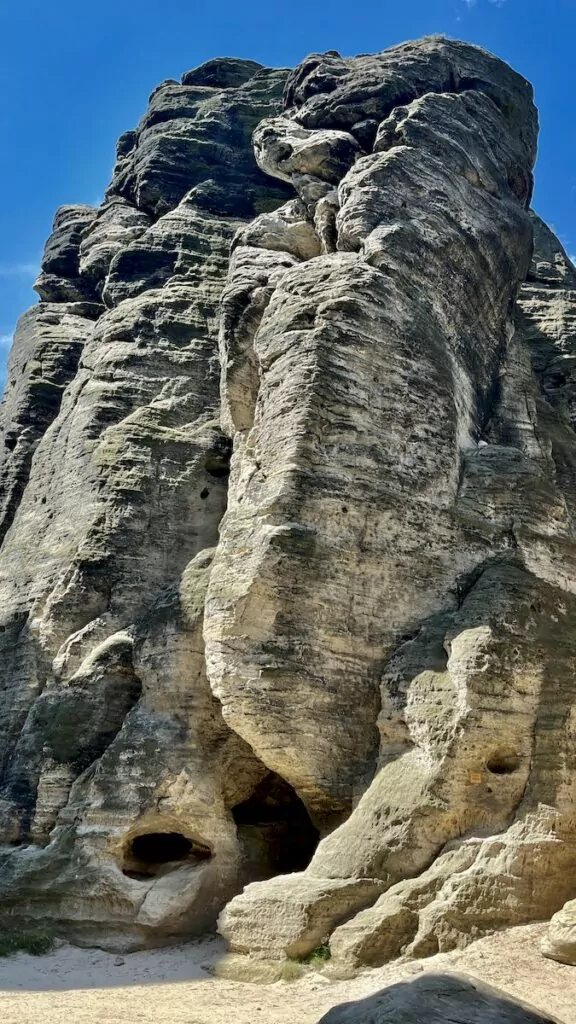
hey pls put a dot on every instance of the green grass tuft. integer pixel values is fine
(317, 957)
(294, 968)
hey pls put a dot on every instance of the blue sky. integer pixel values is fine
(73, 76)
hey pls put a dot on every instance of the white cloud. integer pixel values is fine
(5, 342)
(18, 270)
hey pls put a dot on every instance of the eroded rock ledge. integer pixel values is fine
(288, 560)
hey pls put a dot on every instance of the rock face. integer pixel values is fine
(288, 563)
(114, 482)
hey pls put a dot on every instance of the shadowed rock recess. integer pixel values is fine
(288, 505)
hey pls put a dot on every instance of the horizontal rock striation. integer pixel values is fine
(114, 482)
(288, 565)
(397, 539)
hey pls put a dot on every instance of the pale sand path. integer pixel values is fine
(74, 986)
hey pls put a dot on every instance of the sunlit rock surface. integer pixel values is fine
(288, 564)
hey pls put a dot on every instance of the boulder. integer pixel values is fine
(559, 943)
(435, 998)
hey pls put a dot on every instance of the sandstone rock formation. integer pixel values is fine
(288, 559)
(411, 537)
(113, 488)
(560, 941)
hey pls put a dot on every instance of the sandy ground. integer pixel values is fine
(75, 986)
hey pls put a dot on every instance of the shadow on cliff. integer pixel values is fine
(437, 999)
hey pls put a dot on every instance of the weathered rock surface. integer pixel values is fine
(197, 135)
(434, 999)
(342, 467)
(112, 492)
(288, 568)
(560, 941)
(44, 358)
(59, 279)
(396, 537)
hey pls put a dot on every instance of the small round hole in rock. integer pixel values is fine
(503, 764)
(204, 494)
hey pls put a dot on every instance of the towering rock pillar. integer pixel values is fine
(395, 550)
(114, 481)
(287, 524)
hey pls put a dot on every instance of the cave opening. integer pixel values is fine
(153, 853)
(503, 764)
(274, 829)
(217, 462)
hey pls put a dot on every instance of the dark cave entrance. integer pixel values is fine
(274, 829)
(503, 763)
(153, 853)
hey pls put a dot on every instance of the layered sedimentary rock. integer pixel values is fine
(410, 549)
(113, 488)
(289, 565)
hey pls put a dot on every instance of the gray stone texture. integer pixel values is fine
(113, 485)
(288, 562)
(435, 998)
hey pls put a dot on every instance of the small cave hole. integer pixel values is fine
(204, 494)
(274, 829)
(161, 847)
(153, 853)
(503, 764)
(217, 462)
(218, 467)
